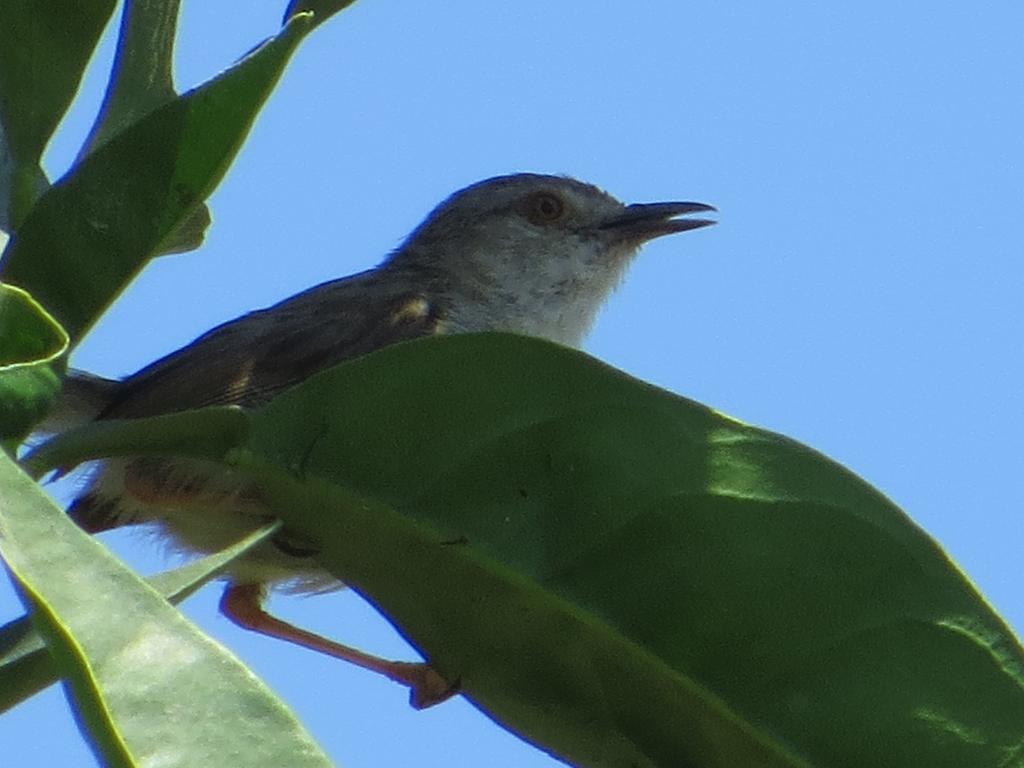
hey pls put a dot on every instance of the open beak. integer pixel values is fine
(645, 221)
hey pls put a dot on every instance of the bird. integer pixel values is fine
(525, 253)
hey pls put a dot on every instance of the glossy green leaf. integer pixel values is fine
(25, 664)
(45, 51)
(97, 227)
(32, 349)
(628, 578)
(150, 688)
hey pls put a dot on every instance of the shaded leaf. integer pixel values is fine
(626, 577)
(107, 631)
(142, 80)
(142, 77)
(95, 229)
(44, 54)
(32, 348)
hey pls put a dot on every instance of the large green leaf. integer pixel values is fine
(150, 688)
(628, 578)
(45, 51)
(32, 348)
(623, 576)
(96, 228)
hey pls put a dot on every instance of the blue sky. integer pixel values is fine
(862, 292)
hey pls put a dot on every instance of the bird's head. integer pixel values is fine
(537, 254)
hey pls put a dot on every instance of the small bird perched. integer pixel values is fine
(526, 253)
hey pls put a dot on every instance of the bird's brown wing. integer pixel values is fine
(249, 360)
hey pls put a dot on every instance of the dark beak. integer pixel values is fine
(644, 221)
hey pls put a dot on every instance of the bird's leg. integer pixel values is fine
(243, 604)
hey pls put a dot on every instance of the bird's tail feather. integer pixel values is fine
(82, 398)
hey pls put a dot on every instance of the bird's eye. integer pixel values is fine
(544, 208)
